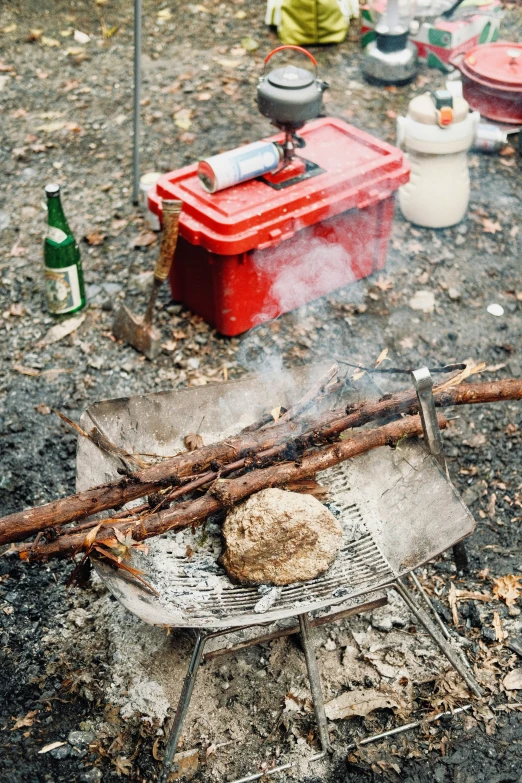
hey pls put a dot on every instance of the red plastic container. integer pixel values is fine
(247, 254)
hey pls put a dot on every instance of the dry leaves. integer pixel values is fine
(182, 118)
(144, 239)
(508, 588)
(362, 701)
(61, 330)
(193, 441)
(497, 627)
(513, 680)
(94, 237)
(382, 357)
(51, 746)
(28, 720)
(123, 765)
(452, 599)
(490, 227)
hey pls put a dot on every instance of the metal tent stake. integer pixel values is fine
(136, 107)
(423, 383)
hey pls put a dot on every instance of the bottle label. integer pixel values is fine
(56, 234)
(63, 289)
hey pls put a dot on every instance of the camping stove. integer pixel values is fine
(289, 96)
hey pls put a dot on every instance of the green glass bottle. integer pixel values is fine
(63, 267)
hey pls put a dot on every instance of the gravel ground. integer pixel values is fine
(66, 117)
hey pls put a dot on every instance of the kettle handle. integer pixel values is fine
(295, 48)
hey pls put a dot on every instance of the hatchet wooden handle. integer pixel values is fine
(171, 213)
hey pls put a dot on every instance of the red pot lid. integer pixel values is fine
(496, 65)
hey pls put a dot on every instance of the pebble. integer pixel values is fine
(330, 645)
(4, 219)
(454, 294)
(81, 738)
(92, 775)
(63, 752)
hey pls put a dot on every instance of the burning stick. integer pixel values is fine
(275, 442)
(226, 493)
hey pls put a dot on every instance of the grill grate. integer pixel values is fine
(201, 591)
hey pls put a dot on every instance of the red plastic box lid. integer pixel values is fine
(360, 170)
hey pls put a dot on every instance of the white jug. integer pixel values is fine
(436, 136)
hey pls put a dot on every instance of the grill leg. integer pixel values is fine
(183, 705)
(315, 681)
(444, 646)
(460, 558)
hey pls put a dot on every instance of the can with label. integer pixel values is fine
(489, 138)
(231, 168)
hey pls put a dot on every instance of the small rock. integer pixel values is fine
(423, 301)
(111, 288)
(193, 363)
(60, 753)
(454, 294)
(330, 645)
(279, 537)
(382, 623)
(92, 775)
(81, 738)
(460, 240)
(4, 219)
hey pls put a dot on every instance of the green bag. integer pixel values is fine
(309, 21)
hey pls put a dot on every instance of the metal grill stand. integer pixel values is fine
(188, 687)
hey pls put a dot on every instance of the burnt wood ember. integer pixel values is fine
(267, 445)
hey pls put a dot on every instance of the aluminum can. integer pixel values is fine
(239, 165)
(489, 138)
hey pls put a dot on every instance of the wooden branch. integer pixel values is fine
(226, 493)
(272, 443)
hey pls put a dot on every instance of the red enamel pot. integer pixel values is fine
(492, 80)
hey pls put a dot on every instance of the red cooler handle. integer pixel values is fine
(296, 49)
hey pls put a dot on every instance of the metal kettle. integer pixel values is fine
(290, 96)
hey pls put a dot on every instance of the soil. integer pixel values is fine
(70, 658)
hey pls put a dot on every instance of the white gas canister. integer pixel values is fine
(436, 136)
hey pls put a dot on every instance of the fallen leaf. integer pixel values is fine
(49, 42)
(382, 356)
(250, 44)
(452, 600)
(360, 701)
(17, 309)
(182, 118)
(276, 413)
(298, 701)
(165, 13)
(94, 237)
(357, 375)
(81, 38)
(28, 720)
(490, 227)
(383, 283)
(108, 32)
(51, 746)
(123, 765)
(513, 680)
(507, 588)
(472, 368)
(61, 330)
(89, 539)
(497, 626)
(52, 127)
(42, 408)
(26, 370)
(193, 441)
(144, 239)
